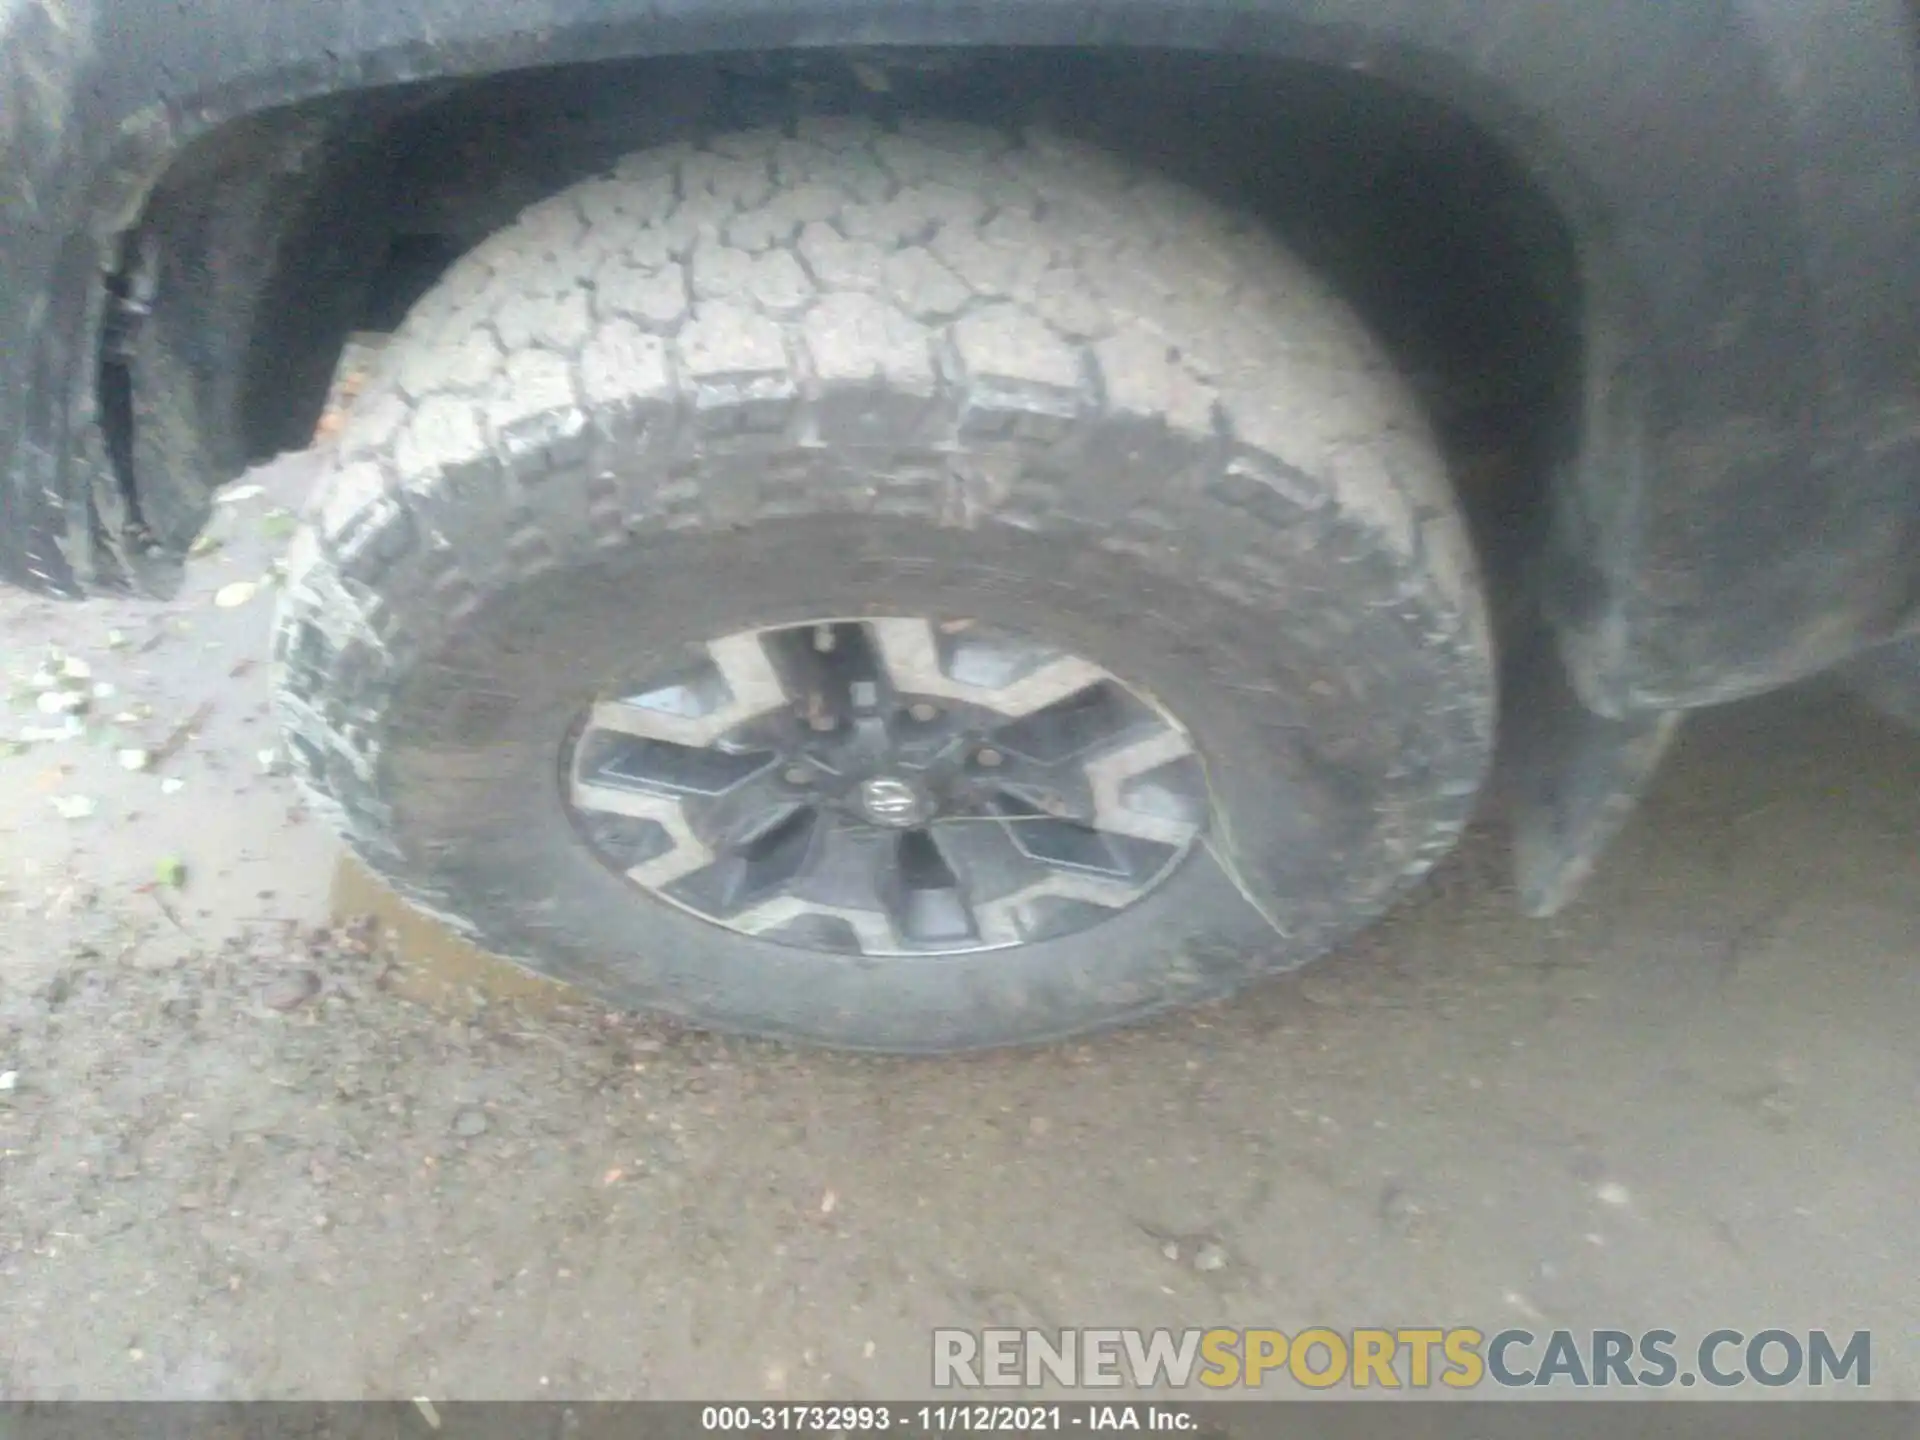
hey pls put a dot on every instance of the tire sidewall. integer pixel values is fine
(1028, 384)
(1312, 795)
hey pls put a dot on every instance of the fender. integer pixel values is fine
(1740, 508)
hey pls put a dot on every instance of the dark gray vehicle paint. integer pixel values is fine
(1742, 179)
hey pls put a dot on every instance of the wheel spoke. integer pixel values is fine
(1011, 919)
(842, 887)
(830, 671)
(888, 786)
(922, 893)
(696, 711)
(1108, 777)
(687, 854)
(668, 769)
(1062, 844)
(873, 934)
(1011, 680)
(737, 817)
(759, 867)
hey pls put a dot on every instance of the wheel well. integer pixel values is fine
(282, 233)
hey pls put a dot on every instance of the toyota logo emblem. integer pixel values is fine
(888, 801)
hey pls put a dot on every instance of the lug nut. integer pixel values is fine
(924, 711)
(988, 757)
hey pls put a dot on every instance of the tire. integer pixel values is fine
(859, 372)
(1888, 679)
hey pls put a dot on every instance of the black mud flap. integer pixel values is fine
(1574, 778)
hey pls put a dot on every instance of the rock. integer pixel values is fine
(1401, 1213)
(133, 759)
(1209, 1257)
(231, 597)
(470, 1122)
(68, 729)
(9, 1080)
(74, 807)
(291, 991)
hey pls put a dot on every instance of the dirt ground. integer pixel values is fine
(245, 1150)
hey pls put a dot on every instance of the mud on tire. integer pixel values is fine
(852, 372)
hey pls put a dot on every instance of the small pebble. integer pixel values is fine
(238, 493)
(1613, 1193)
(1522, 1304)
(76, 669)
(1210, 1257)
(172, 785)
(74, 807)
(1171, 1250)
(231, 597)
(9, 1079)
(133, 759)
(71, 729)
(1401, 1213)
(469, 1123)
(291, 991)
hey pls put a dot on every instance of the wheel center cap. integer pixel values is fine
(889, 800)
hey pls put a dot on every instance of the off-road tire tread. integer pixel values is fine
(672, 346)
